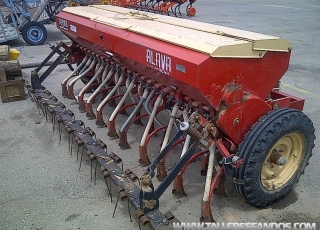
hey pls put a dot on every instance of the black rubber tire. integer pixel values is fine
(255, 148)
(34, 33)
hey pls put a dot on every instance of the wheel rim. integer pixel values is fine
(35, 34)
(282, 161)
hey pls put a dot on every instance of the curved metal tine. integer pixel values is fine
(85, 67)
(136, 109)
(154, 4)
(106, 76)
(133, 99)
(72, 74)
(152, 118)
(85, 62)
(119, 81)
(189, 5)
(95, 171)
(109, 187)
(133, 114)
(60, 131)
(147, 103)
(178, 188)
(175, 10)
(99, 68)
(179, 10)
(170, 125)
(188, 138)
(171, 9)
(73, 81)
(121, 102)
(81, 158)
(150, 1)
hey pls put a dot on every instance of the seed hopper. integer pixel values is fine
(220, 86)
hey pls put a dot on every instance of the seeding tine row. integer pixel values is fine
(154, 97)
(158, 6)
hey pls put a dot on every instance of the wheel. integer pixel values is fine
(34, 33)
(105, 2)
(275, 152)
(191, 11)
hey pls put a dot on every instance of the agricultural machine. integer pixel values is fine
(26, 18)
(218, 86)
(158, 6)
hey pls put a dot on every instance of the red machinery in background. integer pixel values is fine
(221, 86)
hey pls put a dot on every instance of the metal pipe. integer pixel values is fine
(84, 60)
(148, 109)
(188, 138)
(119, 82)
(104, 81)
(87, 86)
(206, 193)
(170, 125)
(129, 89)
(92, 64)
(136, 109)
(130, 93)
(70, 93)
(151, 119)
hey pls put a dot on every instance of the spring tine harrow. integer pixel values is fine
(158, 6)
(96, 151)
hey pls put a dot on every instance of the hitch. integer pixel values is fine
(37, 80)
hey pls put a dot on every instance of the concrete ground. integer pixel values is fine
(40, 183)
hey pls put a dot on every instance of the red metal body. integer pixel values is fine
(192, 74)
(204, 76)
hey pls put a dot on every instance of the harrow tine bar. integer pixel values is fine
(116, 174)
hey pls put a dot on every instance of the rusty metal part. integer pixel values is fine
(170, 217)
(131, 175)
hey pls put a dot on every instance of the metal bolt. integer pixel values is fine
(281, 161)
(236, 121)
